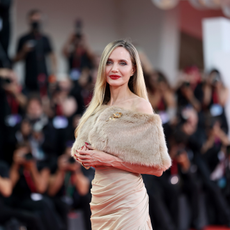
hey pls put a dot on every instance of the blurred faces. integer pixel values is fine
(35, 21)
(119, 67)
(192, 75)
(26, 128)
(64, 86)
(214, 78)
(34, 109)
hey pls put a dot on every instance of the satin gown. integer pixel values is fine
(119, 201)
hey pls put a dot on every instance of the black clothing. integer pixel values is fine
(68, 198)
(23, 189)
(76, 92)
(213, 192)
(4, 173)
(54, 140)
(23, 198)
(182, 100)
(5, 33)
(32, 221)
(220, 117)
(35, 63)
(163, 202)
(79, 62)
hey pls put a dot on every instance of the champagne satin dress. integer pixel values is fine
(119, 201)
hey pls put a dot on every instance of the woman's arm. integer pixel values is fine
(5, 186)
(41, 179)
(81, 183)
(207, 94)
(222, 93)
(92, 157)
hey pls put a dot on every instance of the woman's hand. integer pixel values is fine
(90, 157)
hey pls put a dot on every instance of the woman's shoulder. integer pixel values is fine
(141, 105)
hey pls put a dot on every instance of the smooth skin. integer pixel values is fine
(119, 63)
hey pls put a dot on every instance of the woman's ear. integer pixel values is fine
(133, 71)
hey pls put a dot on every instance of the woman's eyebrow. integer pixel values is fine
(123, 60)
(110, 59)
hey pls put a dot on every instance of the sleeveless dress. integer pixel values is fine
(119, 201)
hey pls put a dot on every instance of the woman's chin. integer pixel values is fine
(115, 83)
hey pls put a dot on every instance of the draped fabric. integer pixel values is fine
(119, 201)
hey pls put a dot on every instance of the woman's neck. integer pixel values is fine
(119, 95)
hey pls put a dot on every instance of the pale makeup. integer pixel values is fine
(119, 67)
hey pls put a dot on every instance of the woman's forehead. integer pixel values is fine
(120, 53)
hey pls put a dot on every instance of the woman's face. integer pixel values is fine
(119, 67)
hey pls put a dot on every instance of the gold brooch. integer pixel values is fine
(115, 115)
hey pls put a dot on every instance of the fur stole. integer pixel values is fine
(133, 137)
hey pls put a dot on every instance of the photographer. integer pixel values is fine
(12, 103)
(215, 98)
(50, 141)
(223, 177)
(216, 140)
(29, 176)
(9, 83)
(8, 213)
(161, 96)
(190, 89)
(33, 48)
(66, 107)
(78, 53)
(69, 187)
(196, 140)
(184, 171)
(5, 6)
(163, 201)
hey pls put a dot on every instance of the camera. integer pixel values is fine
(28, 156)
(180, 151)
(160, 79)
(78, 29)
(228, 150)
(71, 160)
(186, 84)
(5, 81)
(216, 79)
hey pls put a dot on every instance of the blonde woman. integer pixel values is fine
(121, 137)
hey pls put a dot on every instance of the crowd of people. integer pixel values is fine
(196, 128)
(40, 183)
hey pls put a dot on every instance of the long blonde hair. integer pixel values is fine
(101, 93)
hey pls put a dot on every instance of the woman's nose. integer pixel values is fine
(114, 68)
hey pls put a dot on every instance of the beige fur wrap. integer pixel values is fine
(133, 137)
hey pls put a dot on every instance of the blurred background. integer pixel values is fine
(49, 55)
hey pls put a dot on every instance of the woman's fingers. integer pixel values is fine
(84, 152)
(83, 157)
(89, 146)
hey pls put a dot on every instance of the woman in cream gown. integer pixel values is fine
(119, 198)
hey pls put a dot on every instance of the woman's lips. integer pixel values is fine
(114, 77)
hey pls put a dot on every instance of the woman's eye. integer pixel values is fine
(108, 62)
(123, 63)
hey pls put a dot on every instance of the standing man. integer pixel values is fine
(5, 6)
(33, 48)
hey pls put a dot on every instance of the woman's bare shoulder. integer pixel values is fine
(141, 105)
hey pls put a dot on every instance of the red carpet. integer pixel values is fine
(215, 228)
